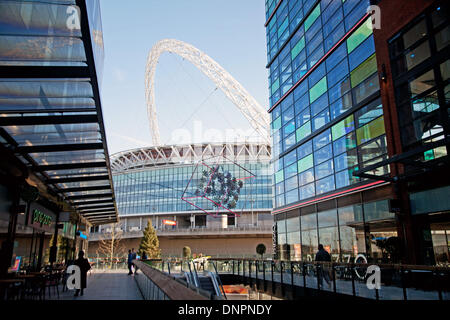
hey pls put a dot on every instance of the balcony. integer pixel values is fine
(134, 232)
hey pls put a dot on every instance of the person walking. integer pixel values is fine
(84, 266)
(322, 272)
(130, 262)
(144, 256)
(133, 257)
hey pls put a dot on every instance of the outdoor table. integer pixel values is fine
(5, 284)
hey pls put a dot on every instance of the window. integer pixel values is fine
(292, 196)
(322, 140)
(417, 55)
(304, 150)
(323, 154)
(365, 50)
(303, 131)
(298, 48)
(363, 71)
(307, 191)
(361, 34)
(345, 143)
(306, 177)
(279, 176)
(324, 169)
(319, 89)
(367, 114)
(342, 128)
(305, 163)
(325, 185)
(312, 17)
(366, 88)
(322, 119)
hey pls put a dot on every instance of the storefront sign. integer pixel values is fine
(275, 240)
(41, 218)
(169, 222)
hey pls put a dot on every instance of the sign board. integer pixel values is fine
(40, 218)
(169, 222)
(275, 240)
(16, 266)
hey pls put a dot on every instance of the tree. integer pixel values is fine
(109, 245)
(261, 249)
(150, 243)
(187, 252)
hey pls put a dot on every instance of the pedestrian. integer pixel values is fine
(84, 266)
(144, 256)
(322, 272)
(130, 262)
(133, 257)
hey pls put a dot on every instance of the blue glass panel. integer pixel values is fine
(323, 154)
(304, 150)
(322, 139)
(321, 119)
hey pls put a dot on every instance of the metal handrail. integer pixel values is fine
(220, 281)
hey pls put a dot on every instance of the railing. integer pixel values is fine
(396, 282)
(189, 269)
(130, 234)
(103, 263)
(157, 285)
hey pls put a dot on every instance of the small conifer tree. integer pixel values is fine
(150, 243)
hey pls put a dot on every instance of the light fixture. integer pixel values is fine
(383, 73)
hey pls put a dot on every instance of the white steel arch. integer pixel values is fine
(255, 114)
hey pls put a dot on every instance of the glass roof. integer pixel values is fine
(51, 113)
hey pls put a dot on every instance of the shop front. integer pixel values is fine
(431, 212)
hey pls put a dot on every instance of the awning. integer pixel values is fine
(50, 107)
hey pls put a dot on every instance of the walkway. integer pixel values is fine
(106, 285)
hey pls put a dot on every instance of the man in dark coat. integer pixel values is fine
(84, 266)
(324, 256)
(130, 262)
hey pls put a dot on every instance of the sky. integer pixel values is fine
(188, 104)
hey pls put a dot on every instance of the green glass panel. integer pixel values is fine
(298, 48)
(342, 128)
(370, 131)
(275, 85)
(319, 89)
(361, 34)
(364, 70)
(279, 176)
(305, 163)
(303, 131)
(428, 155)
(312, 17)
(276, 125)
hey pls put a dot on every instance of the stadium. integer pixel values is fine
(149, 183)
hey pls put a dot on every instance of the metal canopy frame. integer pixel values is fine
(69, 170)
(407, 158)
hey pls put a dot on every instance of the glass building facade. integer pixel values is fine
(326, 120)
(337, 89)
(159, 190)
(51, 128)
(156, 185)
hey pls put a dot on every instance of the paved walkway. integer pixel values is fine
(106, 285)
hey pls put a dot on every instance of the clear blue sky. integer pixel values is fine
(231, 32)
